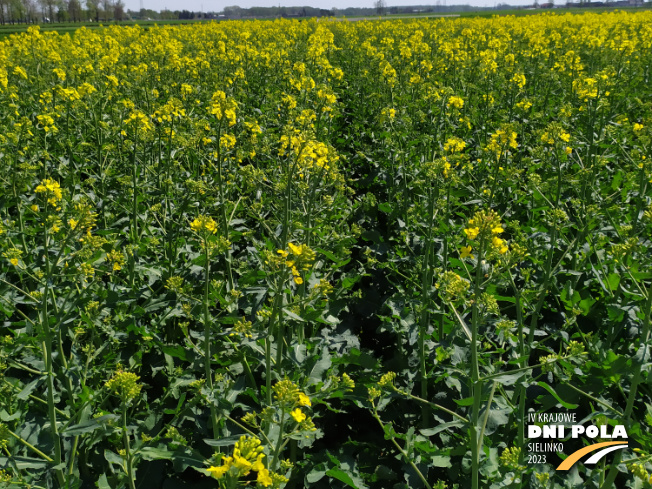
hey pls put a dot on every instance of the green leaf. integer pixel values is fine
(292, 315)
(441, 427)
(585, 305)
(385, 207)
(468, 401)
(187, 458)
(27, 390)
(222, 442)
(327, 254)
(88, 426)
(343, 476)
(24, 462)
(322, 366)
(614, 281)
(174, 351)
(441, 461)
(151, 453)
(103, 483)
(567, 405)
(618, 178)
(316, 474)
(113, 458)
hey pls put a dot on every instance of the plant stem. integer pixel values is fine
(398, 447)
(596, 400)
(268, 345)
(225, 221)
(279, 440)
(486, 415)
(134, 217)
(438, 406)
(207, 338)
(476, 383)
(47, 351)
(543, 291)
(426, 282)
(30, 446)
(125, 441)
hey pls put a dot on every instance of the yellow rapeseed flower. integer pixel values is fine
(218, 472)
(298, 415)
(264, 478)
(472, 233)
(204, 224)
(51, 189)
(466, 253)
(304, 400)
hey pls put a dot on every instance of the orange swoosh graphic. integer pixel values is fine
(575, 456)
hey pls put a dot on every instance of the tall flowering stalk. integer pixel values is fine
(484, 229)
(205, 227)
(125, 385)
(51, 193)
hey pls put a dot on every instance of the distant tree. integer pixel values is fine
(233, 12)
(62, 11)
(74, 10)
(47, 7)
(168, 15)
(380, 6)
(107, 9)
(4, 7)
(93, 9)
(27, 11)
(119, 11)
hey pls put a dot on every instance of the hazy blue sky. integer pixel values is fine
(218, 5)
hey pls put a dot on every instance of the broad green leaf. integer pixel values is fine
(567, 405)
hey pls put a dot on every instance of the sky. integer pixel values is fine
(218, 5)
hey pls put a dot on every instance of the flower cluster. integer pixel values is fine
(454, 145)
(451, 286)
(204, 224)
(4, 436)
(455, 101)
(116, 258)
(247, 457)
(555, 135)
(51, 189)
(440, 166)
(485, 226)
(13, 255)
(323, 287)
(302, 259)
(47, 122)
(387, 380)
(518, 79)
(387, 114)
(138, 120)
(125, 385)
(510, 458)
(502, 140)
(641, 472)
(243, 327)
(223, 107)
(289, 396)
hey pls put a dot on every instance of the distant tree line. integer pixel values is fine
(35, 11)
(235, 12)
(379, 8)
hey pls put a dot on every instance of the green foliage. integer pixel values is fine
(324, 254)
